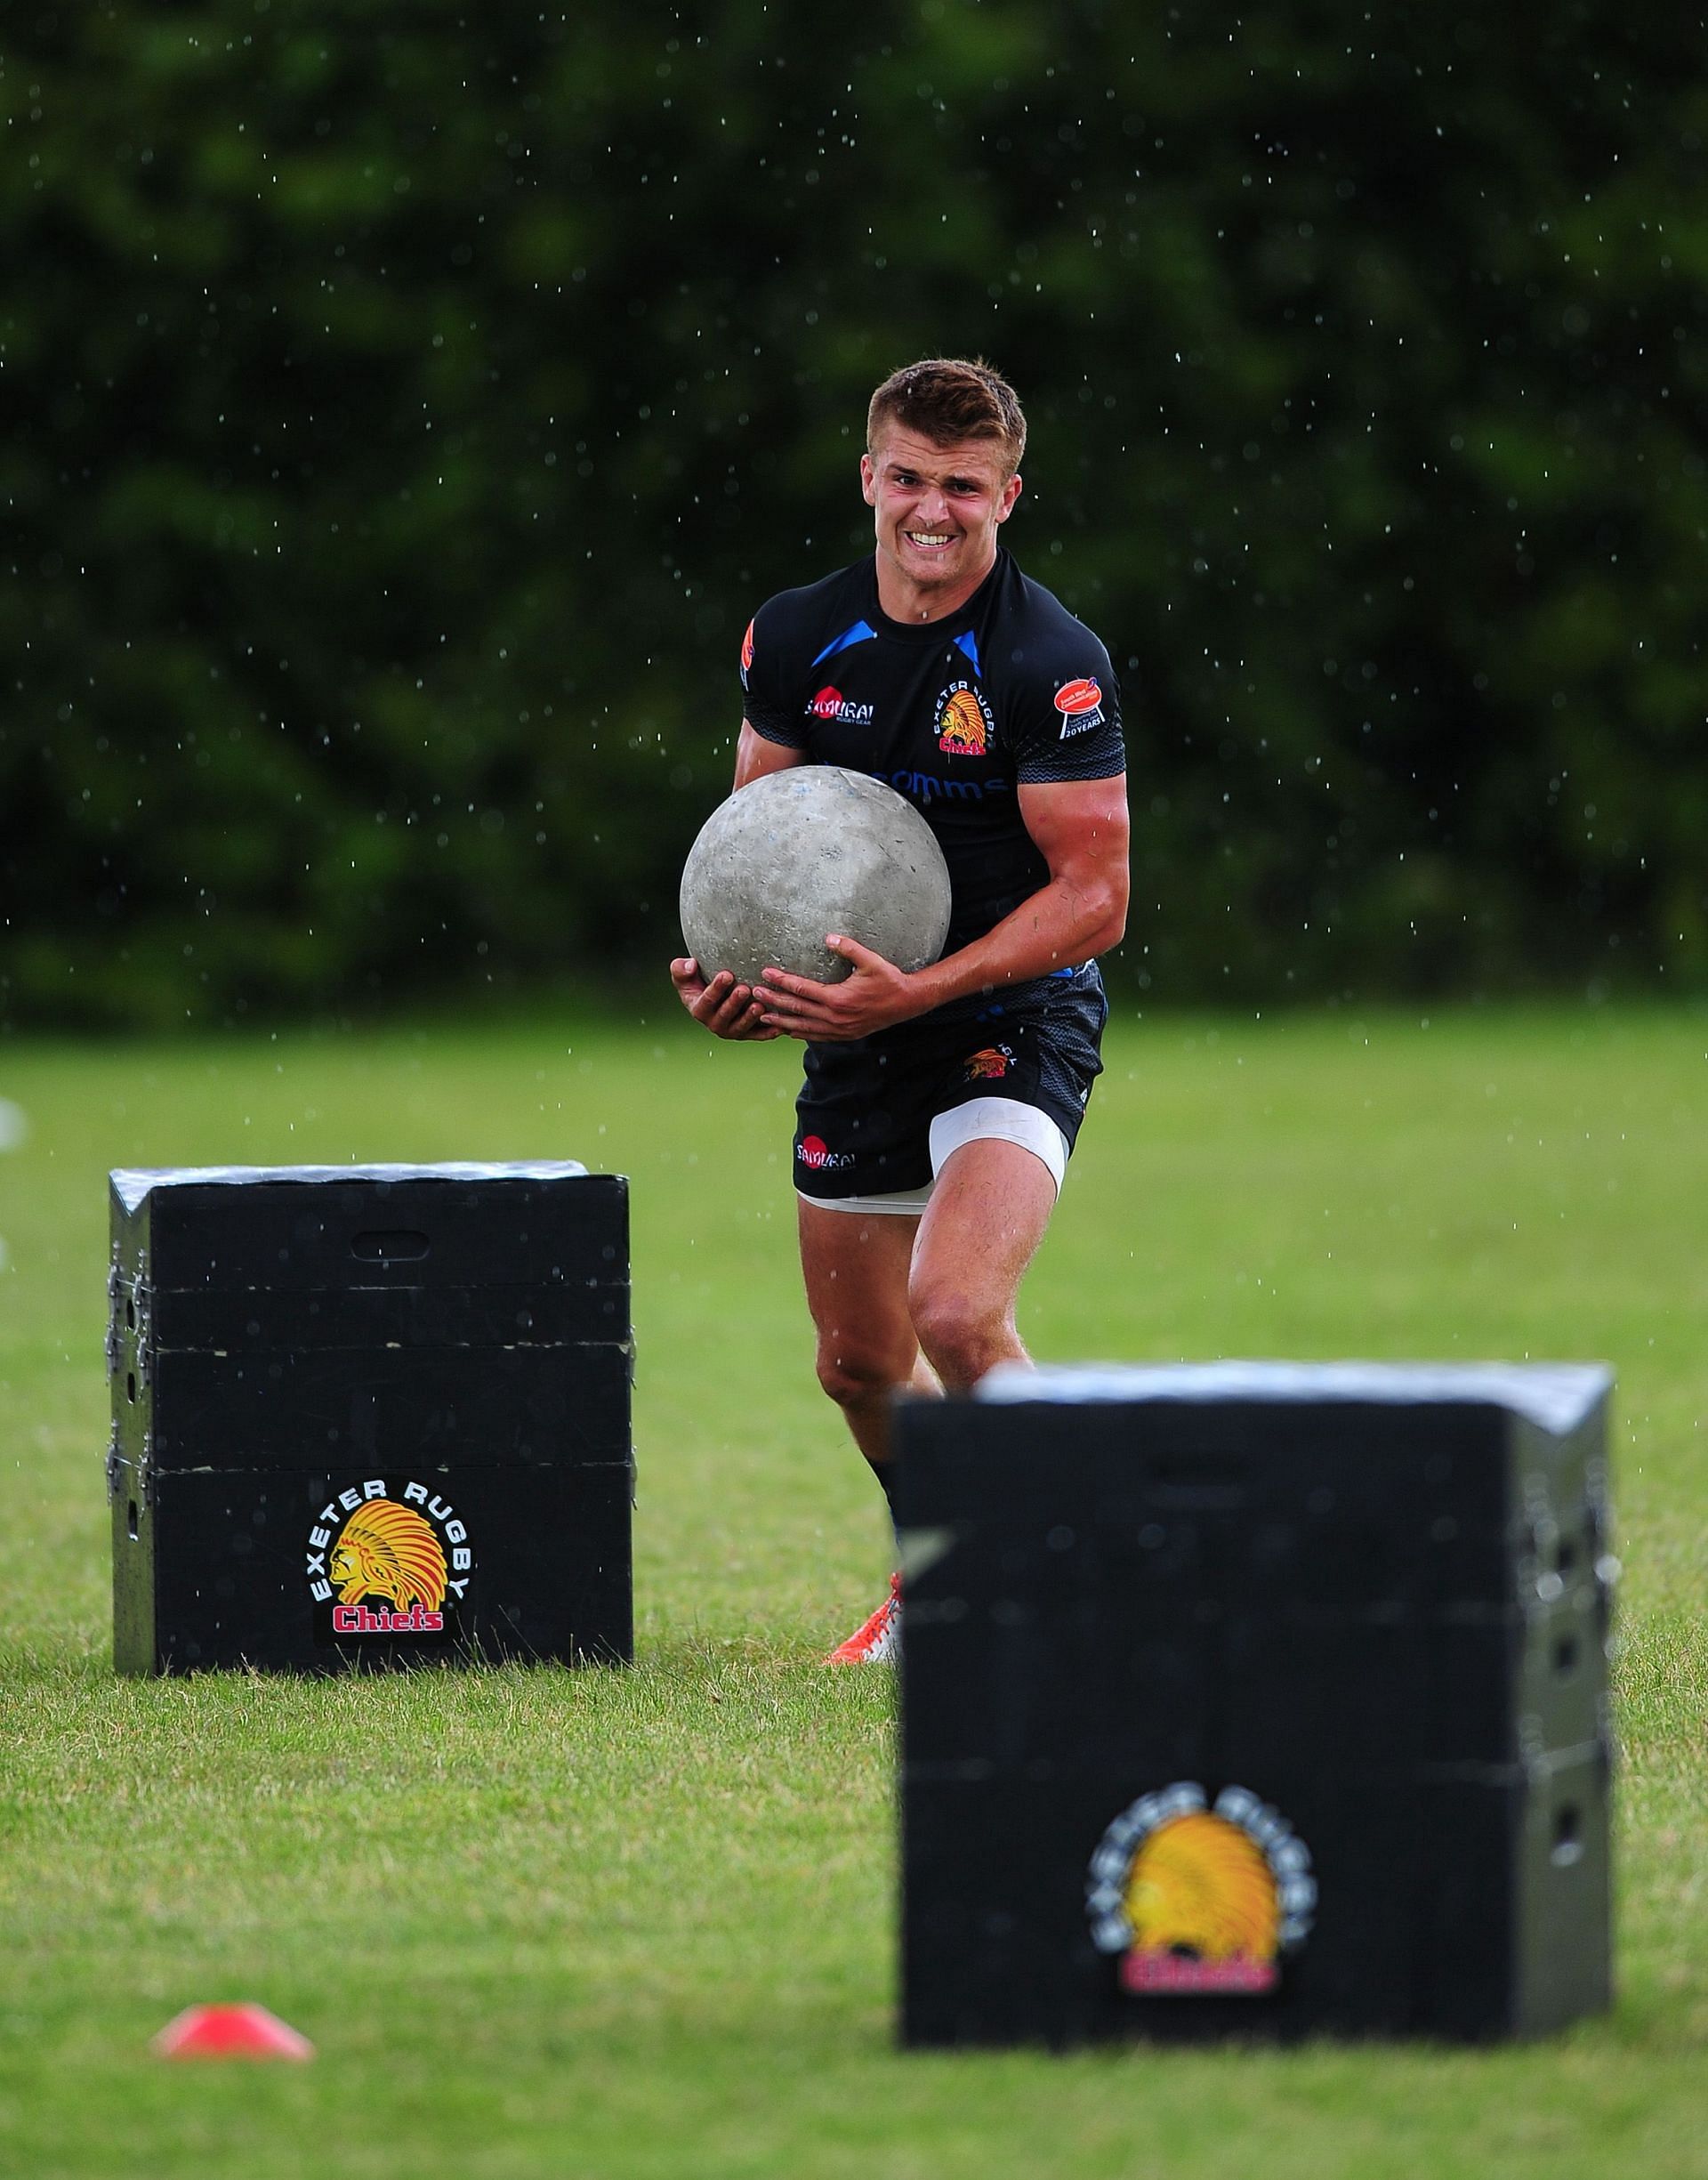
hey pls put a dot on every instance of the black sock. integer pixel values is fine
(885, 1472)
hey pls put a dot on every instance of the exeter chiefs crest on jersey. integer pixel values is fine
(964, 724)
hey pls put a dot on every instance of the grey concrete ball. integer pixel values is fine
(804, 853)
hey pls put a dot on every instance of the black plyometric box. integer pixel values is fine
(1258, 1699)
(366, 1416)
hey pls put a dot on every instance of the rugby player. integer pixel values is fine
(940, 1108)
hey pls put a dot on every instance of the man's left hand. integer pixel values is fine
(875, 996)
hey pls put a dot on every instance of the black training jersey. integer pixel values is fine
(954, 715)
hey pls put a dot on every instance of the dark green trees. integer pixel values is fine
(407, 407)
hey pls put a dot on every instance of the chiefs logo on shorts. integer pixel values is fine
(1080, 705)
(990, 1065)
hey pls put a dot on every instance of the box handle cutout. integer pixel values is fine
(1568, 1848)
(394, 1245)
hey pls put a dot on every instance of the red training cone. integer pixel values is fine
(243, 2031)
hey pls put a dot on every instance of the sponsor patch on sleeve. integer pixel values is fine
(1081, 704)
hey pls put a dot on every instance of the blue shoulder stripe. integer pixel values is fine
(860, 633)
(968, 643)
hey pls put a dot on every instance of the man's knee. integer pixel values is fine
(853, 1372)
(962, 1333)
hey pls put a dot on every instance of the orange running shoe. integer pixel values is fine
(879, 1642)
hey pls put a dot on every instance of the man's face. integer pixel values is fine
(938, 507)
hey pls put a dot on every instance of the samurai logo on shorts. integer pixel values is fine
(1080, 705)
(990, 1065)
(815, 1152)
(380, 1565)
(1195, 1900)
(964, 725)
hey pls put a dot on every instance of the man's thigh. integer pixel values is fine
(982, 1227)
(856, 1266)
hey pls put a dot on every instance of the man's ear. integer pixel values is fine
(1011, 492)
(868, 481)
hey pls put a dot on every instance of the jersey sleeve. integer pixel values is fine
(1066, 722)
(765, 702)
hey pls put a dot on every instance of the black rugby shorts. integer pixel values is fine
(865, 1112)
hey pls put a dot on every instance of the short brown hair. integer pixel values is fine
(945, 398)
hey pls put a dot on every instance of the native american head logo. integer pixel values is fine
(1203, 1888)
(388, 1551)
(988, 1065)
(1200, 1900)
(962, 724)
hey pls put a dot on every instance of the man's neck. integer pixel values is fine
(920, 603)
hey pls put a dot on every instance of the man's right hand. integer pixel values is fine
(724, 1007)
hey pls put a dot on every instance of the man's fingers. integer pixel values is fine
(751, 1026)
(734, 1012)
(851, 949)
(713, 1002)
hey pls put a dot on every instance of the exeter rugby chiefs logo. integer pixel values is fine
(380, 1565)
(990, 1064)
(964, 724)
(1195, 1900)
(1080, 705)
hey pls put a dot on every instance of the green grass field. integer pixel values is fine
(642, 1923)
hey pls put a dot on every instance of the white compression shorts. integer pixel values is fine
(994, 1120)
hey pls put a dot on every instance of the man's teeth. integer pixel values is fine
(927, 538)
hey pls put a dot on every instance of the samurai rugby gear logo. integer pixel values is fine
(816, 1152)
(1196, 1899)
(1080, 705)
(746, 654)
(964, 725)
(830, 704)
(380, 1565)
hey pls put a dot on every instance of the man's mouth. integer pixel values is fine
(929, 540)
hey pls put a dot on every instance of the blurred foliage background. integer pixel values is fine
(405, 407)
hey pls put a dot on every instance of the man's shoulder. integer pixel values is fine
(1033, 635)
(802, 613)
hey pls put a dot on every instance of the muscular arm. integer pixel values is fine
(755, 757)
(1080, 827)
